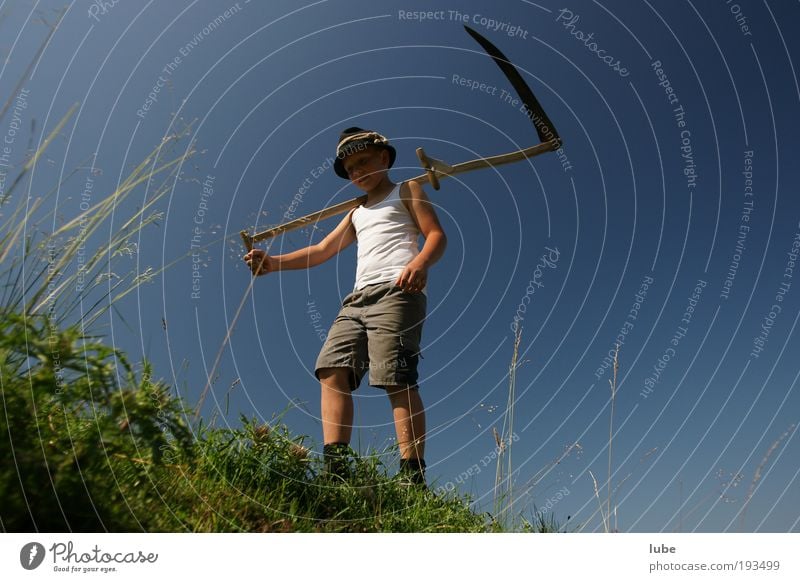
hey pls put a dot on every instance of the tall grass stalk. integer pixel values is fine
(504, 483)
(599, 503)
(613, 383)
(605, 515)
(42, 275)
(27, 73)
(544, 471)
(757, 474)
(720, 493)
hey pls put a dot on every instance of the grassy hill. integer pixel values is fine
(85, 451)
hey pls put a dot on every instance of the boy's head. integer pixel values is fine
(355, 140)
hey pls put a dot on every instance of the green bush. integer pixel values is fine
(77, 440)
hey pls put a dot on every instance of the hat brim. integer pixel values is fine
(338, 165)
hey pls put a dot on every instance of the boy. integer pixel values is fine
(378, 329)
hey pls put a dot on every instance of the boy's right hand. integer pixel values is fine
(259, 262)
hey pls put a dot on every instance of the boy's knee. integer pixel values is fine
(325, 374)
(335, 379)
(402, 392)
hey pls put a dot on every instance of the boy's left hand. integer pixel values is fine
(413, 278)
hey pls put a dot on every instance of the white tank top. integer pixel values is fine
(387, 237)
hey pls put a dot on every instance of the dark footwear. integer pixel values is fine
(337, 459)
(412, 472)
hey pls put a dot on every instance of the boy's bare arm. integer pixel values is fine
(415, 275)
(341, 237)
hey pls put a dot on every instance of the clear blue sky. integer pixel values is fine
(662, 107)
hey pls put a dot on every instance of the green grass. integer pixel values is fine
(88, 451)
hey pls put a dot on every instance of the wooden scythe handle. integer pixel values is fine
(428, 167)
(340, 208)
(247, 240)
(432, 168)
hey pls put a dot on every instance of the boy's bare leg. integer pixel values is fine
(337, 405)
(409, 421)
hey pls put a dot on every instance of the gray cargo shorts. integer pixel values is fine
(378, 329)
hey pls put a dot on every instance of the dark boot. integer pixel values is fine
(413, 471)
(337, 459)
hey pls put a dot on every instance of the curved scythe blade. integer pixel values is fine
(544, 127)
